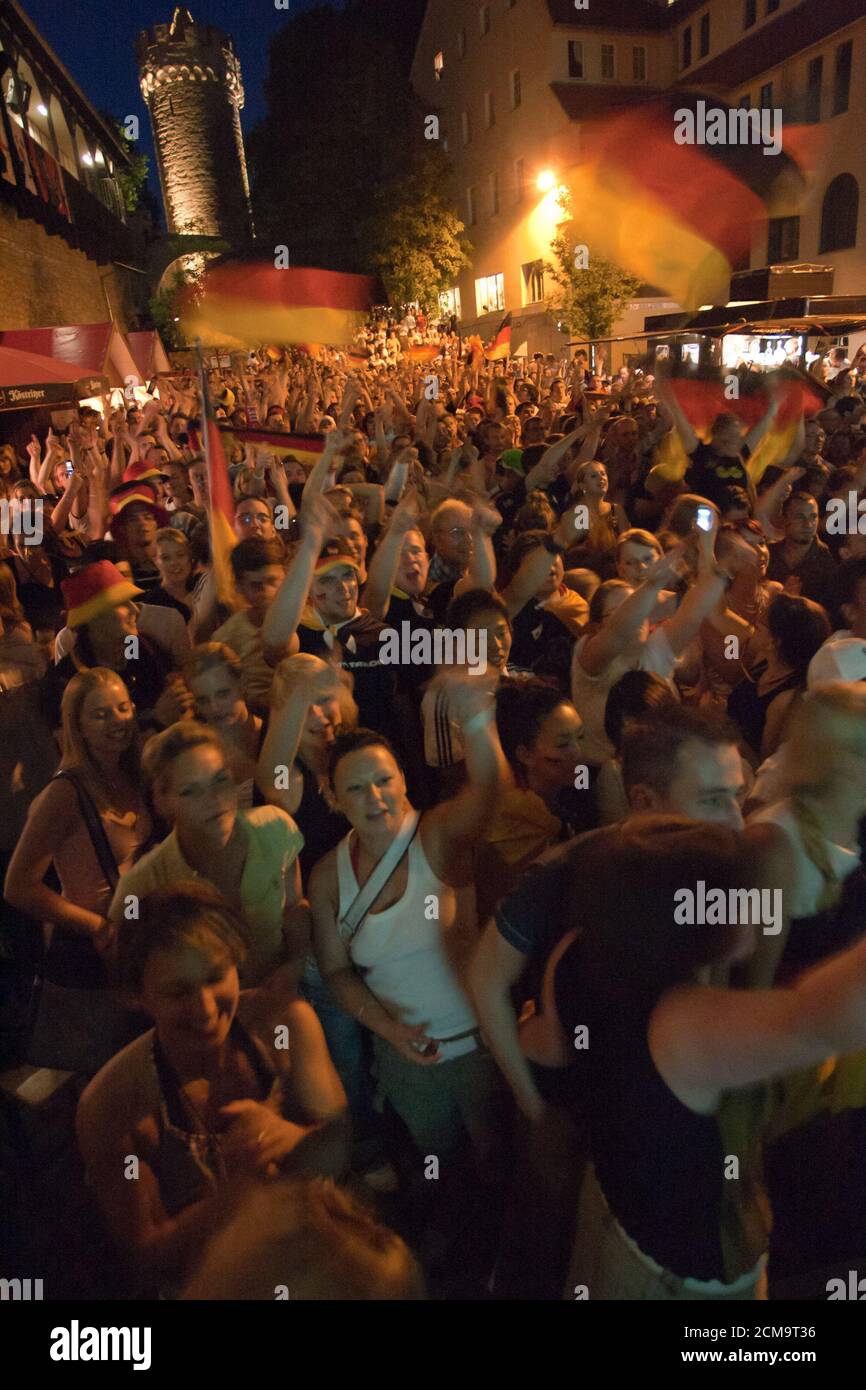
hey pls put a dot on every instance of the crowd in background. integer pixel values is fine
(373, 965)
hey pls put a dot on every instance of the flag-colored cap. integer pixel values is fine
(95, 590)
(334, 554)
(140, 470)
(143, 492)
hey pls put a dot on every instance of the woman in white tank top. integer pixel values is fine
(400, 971)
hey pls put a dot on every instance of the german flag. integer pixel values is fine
(306, 448)
(677, 215)
(358, 357)
(313, 350)
(423, 352)
(475, 353)
(253, 302)
(220, 503)
(500, 348)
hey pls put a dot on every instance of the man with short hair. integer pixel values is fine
(802, 563)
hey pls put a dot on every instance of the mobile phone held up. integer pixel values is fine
(704, 518)
(69, 468)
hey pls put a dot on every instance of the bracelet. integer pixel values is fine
(480, 720)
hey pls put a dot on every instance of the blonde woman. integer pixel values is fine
(88, 823)
(215, 679)
(598, 527)
(811, 837)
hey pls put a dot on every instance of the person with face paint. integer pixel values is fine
(223, 1089)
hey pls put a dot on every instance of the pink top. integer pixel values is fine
(81, 877)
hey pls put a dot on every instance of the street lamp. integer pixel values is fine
(546, 181)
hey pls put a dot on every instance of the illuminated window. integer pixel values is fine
(533, 282)
(515, 90)
(438, 65)
(449, 303)
(489, 294)
(608, 61)
(575, 58)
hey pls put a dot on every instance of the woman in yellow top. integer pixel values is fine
(540, 732)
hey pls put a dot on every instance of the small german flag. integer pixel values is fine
(313, 350)
(501, 346)
(423, 352)
(306, 448)
(254, 301)
(358, 357)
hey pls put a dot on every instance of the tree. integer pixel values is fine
(592, 290)
(132, 181)
(164, 308)
(418, 245)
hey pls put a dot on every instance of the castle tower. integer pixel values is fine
(191, 84)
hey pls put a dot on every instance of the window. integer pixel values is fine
(750, 13)
(783, 241)
(533, 282)
(687, 46)
(494, 194)
(465, 127)
(461, 43)
(489, 294)
(745, 102)
(705, 34)
(438, 65)
(765, 101)
(449, 303)
(484, 20)
(489, 111)
(519, 180)
(638, 64)
(575, 58)
(515, 90)
(608, 61)
(772, 6)
(839, 214)
(470, 207)
(842, 80)
(814, 79)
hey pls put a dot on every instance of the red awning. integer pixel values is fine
(86, 347)
(148, 353)
(28, 380)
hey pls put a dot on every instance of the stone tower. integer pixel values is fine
(191, 84)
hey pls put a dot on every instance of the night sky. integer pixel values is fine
(95, 40)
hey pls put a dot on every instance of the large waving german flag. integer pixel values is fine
(679, 216)
(500, 348)
(252, 302)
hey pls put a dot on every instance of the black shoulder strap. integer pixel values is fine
(95, 828)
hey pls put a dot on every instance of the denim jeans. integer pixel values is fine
(349, 1046)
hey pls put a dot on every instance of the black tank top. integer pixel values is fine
(749, 710)
(322, 828)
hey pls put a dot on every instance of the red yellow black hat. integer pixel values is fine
(139, 471)
(334, 554)
(95, 590)
(141, 491)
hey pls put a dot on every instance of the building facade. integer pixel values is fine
(68, 252)
(191, 84)
(514, 81)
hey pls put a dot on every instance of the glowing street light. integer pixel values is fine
(546, 181)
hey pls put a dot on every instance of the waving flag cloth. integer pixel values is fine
(220, 504)
(306, 448)
(253, 302)
(705, 396)
(501, 346)
(678, 215)
(423, 352)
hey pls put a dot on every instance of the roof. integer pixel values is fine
(789, 32)
(610, 14)
(582, 100)
(148, 353)
(40, 53)
(28, 380)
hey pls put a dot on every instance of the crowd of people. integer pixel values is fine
(349, 897)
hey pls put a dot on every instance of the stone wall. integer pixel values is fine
(43, 282)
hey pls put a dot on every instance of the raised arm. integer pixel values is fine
(621, 629)
(386, 559)
(451, 830)
(284, 614)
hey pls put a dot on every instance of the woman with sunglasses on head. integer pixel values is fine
(89, 823)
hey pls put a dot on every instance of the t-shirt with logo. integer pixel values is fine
(710, 474)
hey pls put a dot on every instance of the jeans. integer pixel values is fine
(349, 1046)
